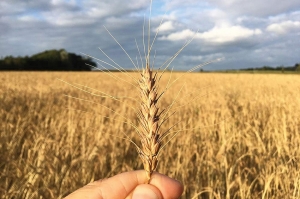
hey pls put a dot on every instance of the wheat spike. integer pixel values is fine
(149, 120)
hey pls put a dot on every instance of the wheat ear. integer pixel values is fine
(149, 120)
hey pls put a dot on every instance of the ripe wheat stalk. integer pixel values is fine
(151, 116)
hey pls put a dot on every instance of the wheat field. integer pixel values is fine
(237, 135)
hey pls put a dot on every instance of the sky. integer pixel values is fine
(241, 33)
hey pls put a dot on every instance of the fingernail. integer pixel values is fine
(143, 193)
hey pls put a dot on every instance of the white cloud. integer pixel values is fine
(66, 19)
(218, 34)
(217, 16)
(166, 26)
(284, 27)
(226, 33)
(256, 7)
(181, 35)
(27, 18)
(116, 7)
(59, 2)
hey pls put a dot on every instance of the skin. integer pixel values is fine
(131, 185)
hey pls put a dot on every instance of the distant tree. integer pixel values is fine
(58, 60)
(267, 68)
(282, 69)
(297, 67)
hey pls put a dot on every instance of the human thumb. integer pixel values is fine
(146, 191)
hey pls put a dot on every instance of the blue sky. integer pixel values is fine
(244, 33)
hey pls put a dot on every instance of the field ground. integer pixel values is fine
(238, 134)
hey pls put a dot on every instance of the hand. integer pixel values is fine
(131, 185)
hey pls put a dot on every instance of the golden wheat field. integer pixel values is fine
(237, 135)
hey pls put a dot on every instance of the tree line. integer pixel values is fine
(296, 67)
(50, 60)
